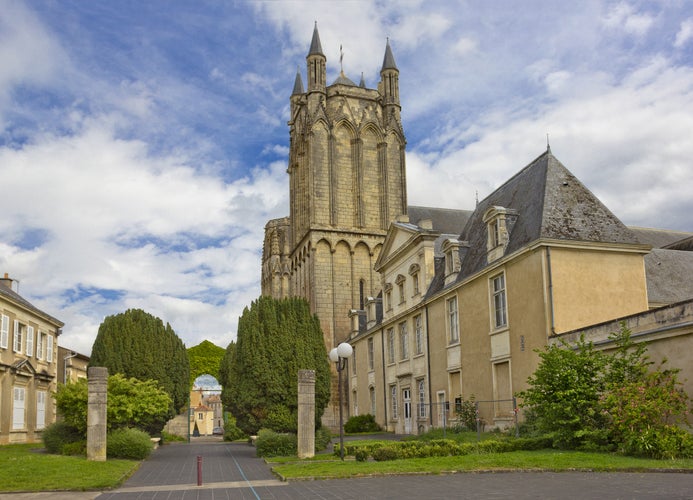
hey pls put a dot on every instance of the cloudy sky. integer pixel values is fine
(143, 144)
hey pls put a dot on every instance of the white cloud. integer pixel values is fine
(685, 33)
(624, 16)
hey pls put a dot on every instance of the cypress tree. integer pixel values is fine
(138, 345)
(276, 338)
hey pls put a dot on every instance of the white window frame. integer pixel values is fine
(393, 402)
(49, 348)
(391, 346)
(403, 341)
(355, 398)
(17, 341)
(40, 410)
(371, 393)
(371, 354)
(39, 344)
(421, 385)
(4, 331)
(499, 301)
(418, 328)
(453, 320)
(18, 408)
(29, 343)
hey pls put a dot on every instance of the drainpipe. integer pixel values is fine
(428, 368)
(548, 265)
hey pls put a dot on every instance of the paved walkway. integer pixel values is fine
(232, 471)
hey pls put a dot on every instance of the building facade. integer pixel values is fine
(443, 305)
(28, 366)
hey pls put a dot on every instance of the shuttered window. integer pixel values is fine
(18, 408)
(4, 331)
(40, 409)
(29, 341)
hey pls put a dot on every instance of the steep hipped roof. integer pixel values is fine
(549, 203)
(669, 276)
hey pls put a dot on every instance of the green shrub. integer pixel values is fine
(467, 413)
(59, 434)
(78, 448)
(231, 431)
(361, 455)
(132, 444)
(273, 444)
(166, 437)
(323, 436)
(385, 453)
(361, 423)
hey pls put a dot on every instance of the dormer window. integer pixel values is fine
(499, 222)
(451, 250)
(400, 287)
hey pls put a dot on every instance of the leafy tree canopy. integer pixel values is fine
(276, 338)
(205, 358)
(139, 345)
(131, 403)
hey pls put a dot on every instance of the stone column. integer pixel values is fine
(96, 413)
(306, 413)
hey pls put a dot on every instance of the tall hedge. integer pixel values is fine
(139, 345)
(205, 358)
(276, 338)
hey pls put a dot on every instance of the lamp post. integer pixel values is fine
(72, 354)
(339, 355)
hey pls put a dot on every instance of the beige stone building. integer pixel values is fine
(444, 305)
(28, 366)
(72, 366)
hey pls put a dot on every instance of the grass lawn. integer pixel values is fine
(547, 460)
(24, 467)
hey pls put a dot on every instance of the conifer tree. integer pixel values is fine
(276, 338)
(139, 345)
(205, 358)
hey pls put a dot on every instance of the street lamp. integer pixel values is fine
(339, 355)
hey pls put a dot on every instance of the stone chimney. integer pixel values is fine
(7, 282)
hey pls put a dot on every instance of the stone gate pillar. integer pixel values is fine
(96, 413)
(306, 413)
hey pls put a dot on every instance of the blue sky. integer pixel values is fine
(143, 144)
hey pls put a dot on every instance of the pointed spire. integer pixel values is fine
(389, 59)
(362, 83)
(298, 83)
(315, 46)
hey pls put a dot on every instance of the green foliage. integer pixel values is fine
(139, 345)
(131, 403)
(170, 438)
(467, 414)
(231, 430)
(132, 444)
(361, 423)
(361, 455)
(564, 392)
(205, 358)
(323, 436)
(58, 435)
(259, 372)
(595, 401)
(274, 444)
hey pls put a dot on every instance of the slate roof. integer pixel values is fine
(669, 275)
(445, 220)
(660, 238)
(18, 299)
(550, 202)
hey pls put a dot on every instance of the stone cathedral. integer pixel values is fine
(347, 180)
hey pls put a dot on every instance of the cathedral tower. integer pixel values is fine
(347, 180)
